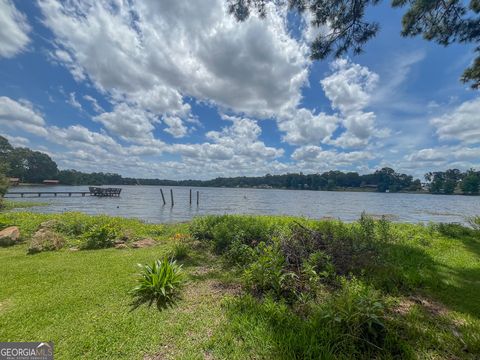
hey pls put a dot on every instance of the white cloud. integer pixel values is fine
(14, 30)
(21, 115)
(175, 126)
(349, 87)
(128, 122)
(72, 100)
(461, 124)
(94, 103)
(303, 127)
(315, 159)
(154, 53)
(17, 141)
(233, 150)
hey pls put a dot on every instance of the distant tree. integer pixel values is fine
(442, 21)
(5, 149)
(4, 182)
(30, 166)
(471, 183)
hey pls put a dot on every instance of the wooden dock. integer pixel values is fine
(93, 191)
(45, 193)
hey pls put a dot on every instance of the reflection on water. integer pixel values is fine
(145, 202)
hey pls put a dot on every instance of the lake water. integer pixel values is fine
(145, 202)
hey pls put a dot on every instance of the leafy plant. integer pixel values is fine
(158, 283)
(359, 311)
(240, 254)
(267, 273)
(179, 251)
(367, 226)
(99, 237)
(384, 229)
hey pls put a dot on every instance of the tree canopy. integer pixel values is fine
(442, 21)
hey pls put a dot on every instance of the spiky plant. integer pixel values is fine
(158, 283)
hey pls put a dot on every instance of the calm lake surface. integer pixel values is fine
(145, 202)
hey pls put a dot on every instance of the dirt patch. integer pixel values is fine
(432, 307)
(143, 243)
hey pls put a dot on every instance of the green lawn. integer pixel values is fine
(80, 300)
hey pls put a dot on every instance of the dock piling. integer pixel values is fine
(198, 196)
(163, 197)
(171, 196)
(190, 196)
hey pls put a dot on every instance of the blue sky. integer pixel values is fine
(180, 90)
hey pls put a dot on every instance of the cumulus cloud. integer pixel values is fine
(21, 115)
(314, 158)
(17, 141)
(175, 126)
(304, 127)
(154, 53)
(14, 30)
(350, 88)
(96, 107)
(238, 143)
(129, 122)
(72, 100)
(462, 124)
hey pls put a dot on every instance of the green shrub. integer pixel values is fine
(267, 274)
(179, 251)
(358, 311)
(317, 267)
(159, 283)
(367, 228)
(453, 230)
(240, 254)
(201, 228)
(384, 229)
(99, 237)
(223, 231)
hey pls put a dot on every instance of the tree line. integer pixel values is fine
(34, 167)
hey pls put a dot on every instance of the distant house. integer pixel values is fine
(51, 182)
(14, 181)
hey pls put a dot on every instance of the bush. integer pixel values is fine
(99, 237)
(267, 274)
(367, 227)
(179, 251)
(239, 254)
(358, 311)
(223, 231)
(159, 283)
(453, 230)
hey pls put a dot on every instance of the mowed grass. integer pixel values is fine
(80, 299)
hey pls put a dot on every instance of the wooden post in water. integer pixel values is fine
(198, 195)
(163, 197)
(190, 196)
(171, 196)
